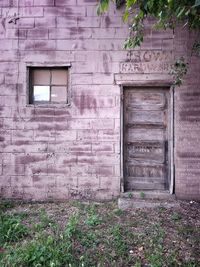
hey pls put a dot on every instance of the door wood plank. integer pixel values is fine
(146, 139)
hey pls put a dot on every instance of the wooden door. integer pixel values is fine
(146, 133)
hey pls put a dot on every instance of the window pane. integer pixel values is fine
(59, 77)
(41, 93)
(59, 94)
(41, 77)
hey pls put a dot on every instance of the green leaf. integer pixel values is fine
(150, 4)
(180, 13)
(130, 3)
(102, 7)
(126, 16)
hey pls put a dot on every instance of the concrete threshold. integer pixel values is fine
(146, 199)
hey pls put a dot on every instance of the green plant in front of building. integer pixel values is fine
(130, 195)
(167, 14)
(131, 239)
(93, 219)
(142, 194)
(11, 228)
(178, 71)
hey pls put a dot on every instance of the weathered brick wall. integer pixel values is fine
(187, 121)
(64, 152)
(56, 152)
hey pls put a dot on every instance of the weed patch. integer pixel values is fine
(44, 251)
(11, 229)
(44, 222)
(4, 205)
(175, 216)
(75, 234)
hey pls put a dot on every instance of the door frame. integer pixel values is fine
(161, 85)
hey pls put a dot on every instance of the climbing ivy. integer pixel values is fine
(167, 14)
(178, 70)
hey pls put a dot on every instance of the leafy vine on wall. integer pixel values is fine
(167, 14)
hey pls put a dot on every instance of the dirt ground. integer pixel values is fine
(103, 235)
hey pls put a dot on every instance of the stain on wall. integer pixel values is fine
(73, 151)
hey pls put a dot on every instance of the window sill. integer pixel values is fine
(52, 105)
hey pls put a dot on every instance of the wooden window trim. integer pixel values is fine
(30, 84)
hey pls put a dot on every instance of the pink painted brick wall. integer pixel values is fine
(187, 118)
(74, 152)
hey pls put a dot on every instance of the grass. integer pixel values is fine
(76, 234)
(175, 216)
(11, 229)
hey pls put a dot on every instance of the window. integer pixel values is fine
(48, 85)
